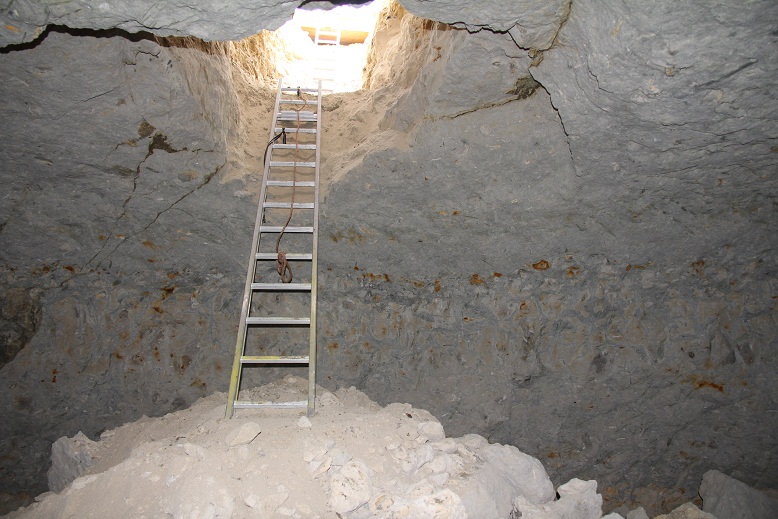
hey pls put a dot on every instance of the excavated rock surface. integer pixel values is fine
(118, 247)
(589, 272)
(25, 20)
(672, 133)
(584, 270)
(530, 23)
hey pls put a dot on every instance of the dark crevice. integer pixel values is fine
(188, 42)
(94, 33)
(333, 2)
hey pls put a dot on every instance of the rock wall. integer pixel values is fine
(25, 20)
(586, 270)
(571, 248)
(118, 244)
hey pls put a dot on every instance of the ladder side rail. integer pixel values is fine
(240, 343)
(314, 265)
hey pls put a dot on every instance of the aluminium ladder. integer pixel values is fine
(287, 214)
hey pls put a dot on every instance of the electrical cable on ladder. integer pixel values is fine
(282, 264)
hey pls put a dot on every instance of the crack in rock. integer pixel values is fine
(205, 181)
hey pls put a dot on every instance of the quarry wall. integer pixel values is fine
(569, 249)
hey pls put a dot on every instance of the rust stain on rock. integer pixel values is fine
(701, 383)
(475, 279)
(699, 267)
(45, 269)
(376, 277)
(541, 265)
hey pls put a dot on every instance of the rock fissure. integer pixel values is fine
(728, 75)
(475, 109)
(123, 240)
(100, 95)
(561, 123)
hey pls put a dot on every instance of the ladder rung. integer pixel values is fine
(279, 228)
(239, 404)
(278, 320)
(294, 146)
(281, 286)
(303, 113)
(289, 164)
(289, 183)
(296, 102)
(296, 130)
(274, 359)
(295, 89)
(287, 205)
(290, 256)
(304, 116)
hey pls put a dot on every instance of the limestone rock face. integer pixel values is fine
(670, 131)
(70, 458)
(109, 216)
(728, 498)
(687, 511)
(465, 72)
(531, 23)
(577, 499)
(586, 272)
(598, 256)
(25, 20)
